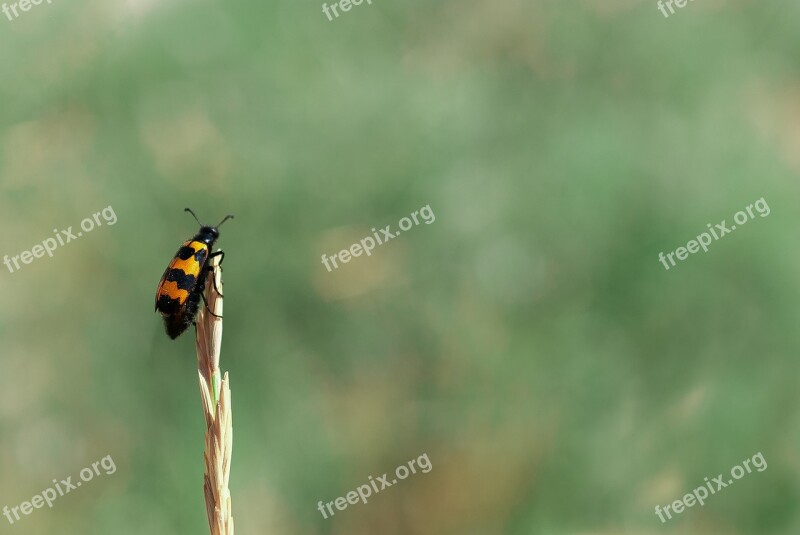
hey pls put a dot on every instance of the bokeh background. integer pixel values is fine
(560, 380)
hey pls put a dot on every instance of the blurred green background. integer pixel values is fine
(529, 341)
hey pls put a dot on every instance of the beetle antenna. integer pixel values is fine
(226, 218)
(193, 214)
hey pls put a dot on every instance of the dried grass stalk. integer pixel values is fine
(216, 397)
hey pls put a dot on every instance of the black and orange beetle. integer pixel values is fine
(181, 287)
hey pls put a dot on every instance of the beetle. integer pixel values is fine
(181, 287)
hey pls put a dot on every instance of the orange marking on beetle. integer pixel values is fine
(190, 266)
(171, 290)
